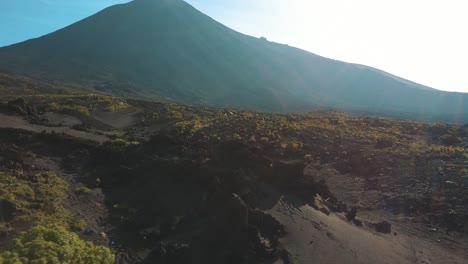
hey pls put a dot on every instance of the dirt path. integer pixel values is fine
(18, 122)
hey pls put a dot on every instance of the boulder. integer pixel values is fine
(23, 107)
(351, 214)
(383, 227)
(384, 143)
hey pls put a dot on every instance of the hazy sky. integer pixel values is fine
(422, 40)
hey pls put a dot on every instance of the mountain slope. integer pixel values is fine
(169, 49)
(167, 183)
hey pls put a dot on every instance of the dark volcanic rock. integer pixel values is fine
(23, 107)
(351, 214)
(383, 227)
(7, 211)
(384, 143)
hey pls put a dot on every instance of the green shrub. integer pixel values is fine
(83, 190)
(78, 225)
(296, 145)
(236, 136)
(54, 245)
(35, 202)
(53, 107)
(78, 108)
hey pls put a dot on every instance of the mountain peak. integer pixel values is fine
(158, 3)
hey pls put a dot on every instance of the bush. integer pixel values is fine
(78, 225)
(54, 245)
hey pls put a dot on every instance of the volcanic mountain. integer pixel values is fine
(168, 49)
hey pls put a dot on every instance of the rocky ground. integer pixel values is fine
(165, 183)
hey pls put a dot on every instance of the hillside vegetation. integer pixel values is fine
(171, 183)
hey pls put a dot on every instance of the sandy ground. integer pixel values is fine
(18, 122)
(314, 237)
(57, 119)
(118, 119)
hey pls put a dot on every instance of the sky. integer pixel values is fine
(425, 41)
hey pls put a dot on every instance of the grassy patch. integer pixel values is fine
(38, 200)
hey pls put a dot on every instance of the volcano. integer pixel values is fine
(170, 50)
